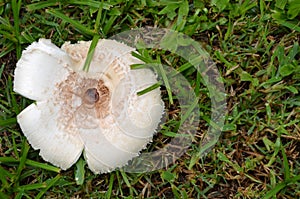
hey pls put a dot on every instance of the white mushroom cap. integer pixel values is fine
(41, 66)
(98, 112)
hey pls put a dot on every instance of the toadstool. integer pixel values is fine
(97, 112)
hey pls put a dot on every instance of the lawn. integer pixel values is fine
(254, 46)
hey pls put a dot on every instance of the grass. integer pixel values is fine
(255, 46)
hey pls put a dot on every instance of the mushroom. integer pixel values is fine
(97, 112)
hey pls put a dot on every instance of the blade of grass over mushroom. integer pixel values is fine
(142, 58)
(79, 26)
(155, 64)
(148, 89)
(91, 53)
(137, 66)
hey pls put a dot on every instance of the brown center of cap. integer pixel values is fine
(91, 96)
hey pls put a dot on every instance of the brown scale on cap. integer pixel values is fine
(102, 105)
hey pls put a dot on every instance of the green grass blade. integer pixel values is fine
(98, 19)
(42, 166)
(42, 4)
(184, 67)
(282, 185)
(137, 66)
(49, 184)
(108, 25)
(11, 160)
(148, 89)
(8, 48)
(23, 159)
(10, 36)
(14, 103)
(190, 110)
(1, 70)
(4, 196)
(80, 172)
(275, 190)
(166, 82)
(8, 160)
(197, 84)
(91, 53)
(16, 7)
(31, 187)
(4, 176)
(76, 24)
(294, 179)
(142, 58)
(5, 25)
(8, 122)
(127, 181)
(95, 4)
(286, 166)
(20, 194)
(110, 186)
(290, 25)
